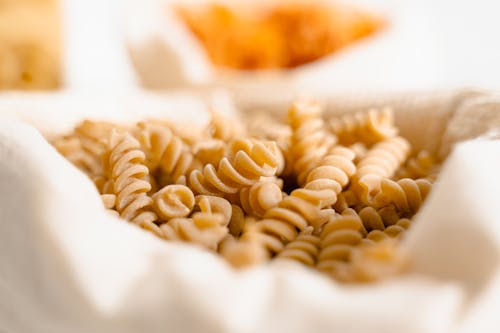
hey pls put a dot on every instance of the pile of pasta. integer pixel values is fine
(336, 195)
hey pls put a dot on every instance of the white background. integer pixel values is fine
(443, 44)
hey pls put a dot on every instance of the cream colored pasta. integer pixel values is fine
(166, 151)
(371, 263)
(128, 172)
(380, 162)
(364, 127)
(339, 238)
(260, 197)
(252, 160)
(310, 140)
(407, 195)
(215, 205)
(333, 173)
(204, 229)
(225, 128)
(303, 249)
(173, 201)
(271, 191)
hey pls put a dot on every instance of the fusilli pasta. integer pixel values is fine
(365, 127)
(310, 141)
(128, 173)
(271, 194)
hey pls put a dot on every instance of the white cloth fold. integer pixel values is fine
(67, 266)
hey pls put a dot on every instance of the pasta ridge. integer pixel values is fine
(367, 127)
(310, 140)
(128, 173)
(303, 249)
(250, 160)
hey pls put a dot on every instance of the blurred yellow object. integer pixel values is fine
(284, 35)
(30, 46)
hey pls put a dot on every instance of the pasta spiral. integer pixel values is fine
(380, 162)
(339, 237)
(310, 141)
(225, 128)
(250, 160)
(304, 248)
(333, 174)
(166, 151)
(128, 173)
(419, 166)
(280, 224)
(265, 190)
(374, 219)
(407, 195)
(247, 250)
(215, 205)
(173, 201)
(260, 197)
(205, 229)
(374, 262)
(394, 231)
(365, 127)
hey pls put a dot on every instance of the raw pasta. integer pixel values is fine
(128, 172)
(304, 248)
(380, 162)
(286, 192)
(310, 140)
(333, 173)
(364, 127)
(338, 239)
(165, 150)
(252, 159)
(173, 201)
(261, 197)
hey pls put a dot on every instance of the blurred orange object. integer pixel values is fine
(285, 35)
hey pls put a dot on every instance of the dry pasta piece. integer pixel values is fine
(380, 162)
(310, 141)
(303, 249)
(215, 205)
(371, 263)
(237, 221)
(209, 151)
(166, 151)
(374, 219)
(359, 150)
(247, 250)
(333, 174)
(225, 128)
(173, 201)
(264, 127)
(108, 200)
(393, 231)
(297, 211)
(364, 127)
(71, 148)
(419, 166)
(407, 195)
(204, 229)
(94, 134)
(128, 173)
(260, 197)
(346, 199)
(251, 160)
(339, 237)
